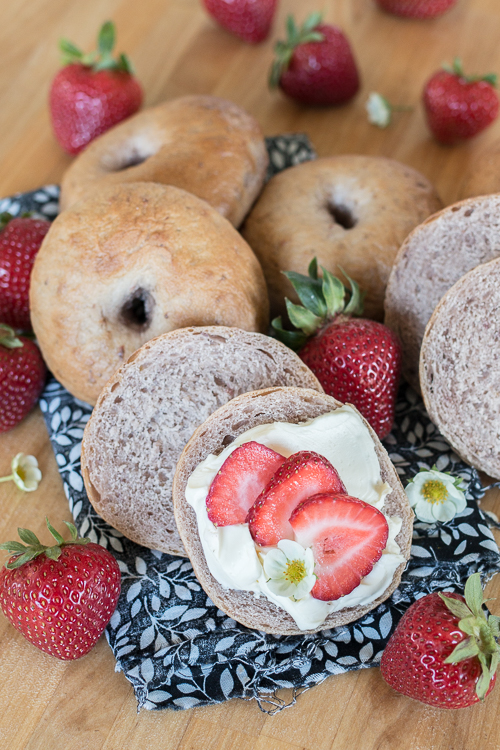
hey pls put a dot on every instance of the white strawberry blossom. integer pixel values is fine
(435, 496)
(379, 110)
(25, 472)
(290, 569)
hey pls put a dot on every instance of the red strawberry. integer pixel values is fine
(458, 107)
(239, 481)
(249, 20)
(416, 8)
(92, 92)
(443, 651)
(302, 474)
(358, 361)
(315, 65)
(347, 537)
(62, 597)
(20, 240)
(22, 377)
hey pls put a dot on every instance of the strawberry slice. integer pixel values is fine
(302, 474)
(347, 537)
(239, 481)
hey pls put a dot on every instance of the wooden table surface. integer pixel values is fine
(178, 50)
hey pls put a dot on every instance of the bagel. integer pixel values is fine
(135, 261)
(205, 145)
(351, 212)
(460, 367)
(432, 258)
(150, 408)
(291, 405)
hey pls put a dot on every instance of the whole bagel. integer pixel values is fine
(205, 145)
(351, 212)
(136, 261)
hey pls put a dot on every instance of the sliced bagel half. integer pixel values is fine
(460, 367)
(432, 258)
(292, 405)
(151, 406)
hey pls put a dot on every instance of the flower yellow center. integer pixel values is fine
(21, 473)
(295, 571)
(434, 492)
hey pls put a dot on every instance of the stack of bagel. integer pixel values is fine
(149, 303)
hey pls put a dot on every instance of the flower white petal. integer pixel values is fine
(274, 563)
(309, 561)
(25, 472)
(379, 110)
(444, 511)
(281, 587)
(304, 587)
(292, 550)
(423, 512)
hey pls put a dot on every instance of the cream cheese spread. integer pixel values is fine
(235, 560)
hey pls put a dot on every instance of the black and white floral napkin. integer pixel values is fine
(170, 641)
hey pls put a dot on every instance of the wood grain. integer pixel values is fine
(178, 50)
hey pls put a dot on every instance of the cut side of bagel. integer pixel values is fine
(149, 409)
(460, 367)
(292, 405)
(432, 258)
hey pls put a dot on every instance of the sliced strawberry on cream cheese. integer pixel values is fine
(347, 537)
(239, 481)
(302, 475)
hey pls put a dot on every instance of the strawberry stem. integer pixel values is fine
(482, 629)
(22, 553)
(100, 59)
(8, 337)
(322, 299)
(294, 37)
(457, 69)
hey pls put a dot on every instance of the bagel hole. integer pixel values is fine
(342, 215)
(131, 160)
(137, 311)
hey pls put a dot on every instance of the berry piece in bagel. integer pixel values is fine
(431, 259)
(349, 211)
(208, 146)
(135, 261)
(459, 367)
(150, 408)
(238, 574)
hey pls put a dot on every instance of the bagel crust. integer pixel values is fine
(292, 405)
(208, 146)
(351, 212)
(133, 262)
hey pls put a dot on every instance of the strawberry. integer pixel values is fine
(356, 360)
(239, 481)
(347, 537)
(416, 8)
(20, 240)
(315, 65)
(459, 107)
(443, 651)
(92, 92)
(249, 20)
(62, 597)
(302, 474)
(22, 377)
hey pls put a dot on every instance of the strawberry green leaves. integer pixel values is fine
(482, 630)
(32, 547)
